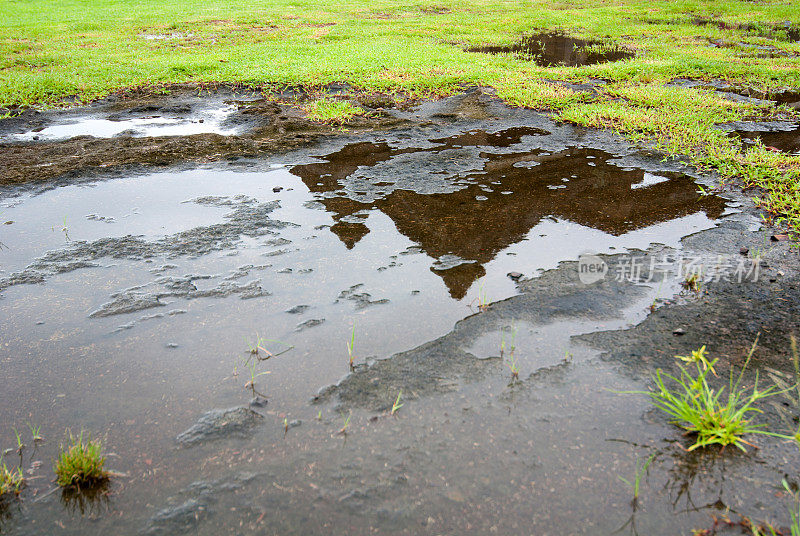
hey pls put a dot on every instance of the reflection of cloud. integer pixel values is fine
(475, 215)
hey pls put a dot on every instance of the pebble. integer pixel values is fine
(259, 402)
(744, 250)
(678, 332)
(515, 276)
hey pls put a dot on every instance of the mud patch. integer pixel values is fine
(559, 50)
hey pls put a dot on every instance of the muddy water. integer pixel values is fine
(128, 305)
(556, 49)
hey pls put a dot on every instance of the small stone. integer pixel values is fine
(779, 237)
(259, 402)
(744, 250)
(295, 423)
(277, 189)
(515, 276)
(678, 332)
(171, 345)
(202, 121)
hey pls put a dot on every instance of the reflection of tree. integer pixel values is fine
(500, 205)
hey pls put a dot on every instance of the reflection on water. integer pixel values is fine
(498, 205)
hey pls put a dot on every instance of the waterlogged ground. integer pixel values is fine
(130, 297)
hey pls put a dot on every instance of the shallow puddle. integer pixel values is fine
(556, 49)
(130, 303)
(158, 124)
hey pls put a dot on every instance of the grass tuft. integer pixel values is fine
(82, 464)
(708, 413)
(329, 110)
(11, 480)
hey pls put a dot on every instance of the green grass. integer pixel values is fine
(637, 480)
(11, 480)
(709, 414)
(397, 404)
(329, 110)
(53, 51)
(81, 464)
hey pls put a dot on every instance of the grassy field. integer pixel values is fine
(52, 51)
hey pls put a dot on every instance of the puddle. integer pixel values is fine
(145, 291)
(778, 31)
(559, 50)
(201, 122)
(786, 96)
(782, 140)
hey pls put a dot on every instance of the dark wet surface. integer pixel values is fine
(781, 140)
(129, 303)
(556, 49)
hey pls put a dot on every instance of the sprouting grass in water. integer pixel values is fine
(483, 297)
(351, 347)
(259, 345)
(702, 410)
(511, 363)
(397, 404)
(252, 364)
(20, 443)
(81, 464)
(346, 424)
(36, 433)
(328, 110)
(640, 472)
(11, 480)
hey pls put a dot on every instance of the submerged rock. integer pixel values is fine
(221, 423)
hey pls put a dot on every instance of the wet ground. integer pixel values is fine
(131, 290)
(557, 49)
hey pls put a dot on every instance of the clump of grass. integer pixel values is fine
(81, 465)
(329, 110)
(692, 282)
(640, 472)
(397, 404)
(11, 480)
(704, 412)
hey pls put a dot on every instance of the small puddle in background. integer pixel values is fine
(210, 121)
(179, 268)
(787, 141)
(557, 49)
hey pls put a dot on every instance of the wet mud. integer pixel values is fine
(131, 130)
(441, 240)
